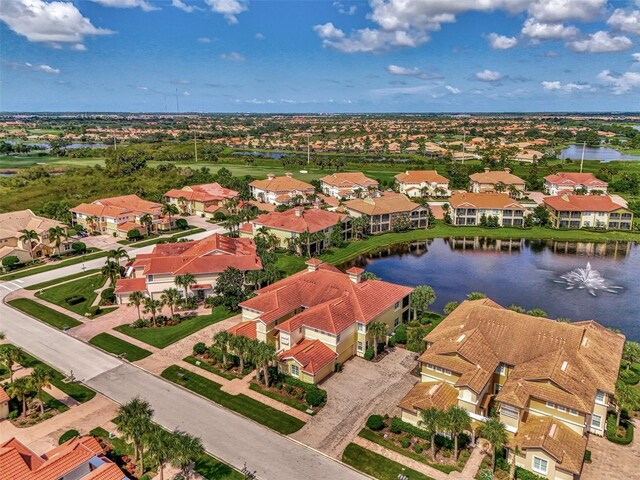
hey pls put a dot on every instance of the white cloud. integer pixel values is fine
(259, 36)
(328, 31)
(145, 6)
(620, 84)
(412, 72)
(501, 42)
(488, 76)
(350, 10)
(41, 68)
(625, 21)
(232, 57)
(636, 56)
(78, 47)
(453, 90)
(600, 42)
(566, 87)
(548, 31)
(204, 40)
(554, 11)
(52, 22)
(228, 8)
(179, 4)
(367, 40)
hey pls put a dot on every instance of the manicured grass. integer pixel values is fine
(161, 337)
(75, 390)
(290, 264)
(205, 366)
(376, 465)
(45, 314)
(40, 286)
(213, 469)
(145, 243)
(292, 402)
(54, 266)
(259, 412)
(84, 287)
(117, 346)
(441, 230)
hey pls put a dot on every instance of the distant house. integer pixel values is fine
(569, 182)
(77, 459)
(10, 244)
(118, 215)
(495, 181)
(203, 200)
(420, 183)
(385, 210)
(280, 190)
(205, 259)
(291, 223)
(592, 211)
(469, 208)
(348, 185)
(4, 404)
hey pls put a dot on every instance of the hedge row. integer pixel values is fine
(612, 430)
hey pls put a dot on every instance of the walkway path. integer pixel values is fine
(611, 461)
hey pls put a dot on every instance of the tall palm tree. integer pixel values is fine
(432, 420)
(378, 330)
(57, 235)
(263, 355)
(187, 449)
(512, 466)
(28, 236)
(40, 379)
(185, 281)
(182, 201)
(170, 297)
(240, 346)
(170, 210)
(496, 433)
(118, 254)
(231, 223)
(134, 422)
(147, 221)
(135, 300)
(422, 298)
(221, 340)
(111, 269)
(160, 447)
(458, 420)
(19, 389)
(9, 356)
(151, 306)
(92, 223)
(360, 225)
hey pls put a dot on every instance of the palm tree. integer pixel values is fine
(422, 298)
(40, 379)
(92, 223)
(57, 235)
(240, 345)
(183, 204)
(378, 329)
(231, 223)
(151, 306)
(187, 449)
(169, 209)
(458, 420)
(496, 433)
(476, 296)
(160, 447)
(221, 340)
(111, 269)
(264, 353)
(117, 254)
(512, 467)
(360, 225)
(134, 422)
(450, 306)
(28, 236)
(431, 419)
(19, 389)
(185, 281)
(135, 300)
(170, 297)
(9, 356)
(147, 221)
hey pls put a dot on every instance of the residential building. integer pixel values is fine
(118, 215)
(349, 185)
(320, 317)
(495, 181)
(422, 183)
(81, 458)
(4, 404)
(203, 200)
(570, 182)
(280, 190)
(385, 211)
(550, 382)
(290, 224)
(205, 259)
(10, 244)
(470, 208)
(588, 211)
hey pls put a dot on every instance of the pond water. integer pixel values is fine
(523, 272)
(604, 154)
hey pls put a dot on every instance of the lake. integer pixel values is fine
(604, 154)
(520, 272)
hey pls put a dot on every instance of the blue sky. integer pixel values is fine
(320, 56)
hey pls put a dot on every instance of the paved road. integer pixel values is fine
(231, 438)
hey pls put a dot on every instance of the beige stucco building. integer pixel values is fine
(469, 209)
(588, 211)
(421, 183)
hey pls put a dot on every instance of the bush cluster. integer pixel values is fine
(313, 395)
(375, 422)
(75, 300)
(369, 353)
(68, 435)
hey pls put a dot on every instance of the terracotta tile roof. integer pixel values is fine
(559, 441)
(497, 176)
(421, 176)
(299, 220)
(386, 204)
(500, 201)
(3, 395)
(426, 395)
(127, 226)
(118, 206)
(281, 184)
(203, 193)
(312, 355)
(246, 329)
(331, 201)
(107, 471)
(582, 203)
(349, 180)
(12, 222)
(128, 285)
(573, 179)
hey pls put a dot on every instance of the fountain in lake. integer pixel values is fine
(587, 279)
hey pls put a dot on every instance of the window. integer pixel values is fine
(338, 338)
(361, 327)
(359, 346)
(447, 372)
(429, 366)
(551, 405)
(438, 369)
(295, 371)
(596, 421)
(562, 408)
(573, 412)
(600, 397)
(396, 322)
(502, 370)
(149, 278)
(397, 306)
(509, 411)
(540, 465)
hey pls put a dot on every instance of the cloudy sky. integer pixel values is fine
(320, 55)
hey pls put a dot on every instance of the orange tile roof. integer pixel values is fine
(246, 329)
(582, 203)
(118, 206)
(128, 285)
(500, 201)
(127, 226)
(203, 193)
(349, 180)
(312, 355)
(281, 184)
(3, 395)
(386, 204)
(298, 220)
(107, 471)
(420, 176)
(573, 178)
(426, 395)
(497, 176)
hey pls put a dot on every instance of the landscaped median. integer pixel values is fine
(153, 241)
(76, 296)
(53, 266)
(56, 281)
(45, 314)
(119, 347)
(378, 466)
(259, 412)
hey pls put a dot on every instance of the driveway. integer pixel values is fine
(361, 389)
(611, 461)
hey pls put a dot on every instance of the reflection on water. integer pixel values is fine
(604, 154)
(520, 272)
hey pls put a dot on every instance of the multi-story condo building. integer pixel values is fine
(205, 259)
(570, 182)
(422, 183)
(290, 224)
(495, 181)
(118, 215)
(204, 200)
(384, 211)
(549, 382)
(470, 208)
(321, 316)
(348, 185)
(592, 211)
(280, 190)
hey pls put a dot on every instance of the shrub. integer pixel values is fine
(68, 435)
(447, 443)
(133, 234)
(75, 300)
(182, 224)
(392, 342)
(79, 247)
(141, 323)
(404, 443)
(95, 310)
(375, 422)
(418, 448)
(587, 456)
(108, 295)
(316, 397)
(219, 216)
(338, 367)
(10, 262)
(400, 334)
(380, 348)
(369, 353)
(522, 474)
(199, 348)
(612, 431)
(13, 414)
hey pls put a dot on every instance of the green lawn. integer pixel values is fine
(290, 264)
(376, 465)
(117, 346)
(153, 241)
(292, 402)
(53, 266)
(213, 469)
(161, 337)
(55, 281)
(45, 314)
(205, 366)
(84, 287)
(259, 412)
